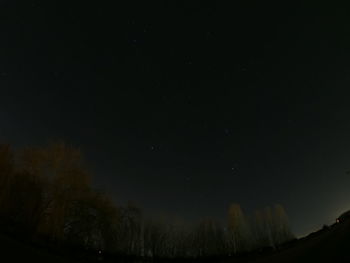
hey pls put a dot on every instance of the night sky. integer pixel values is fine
(184, 107)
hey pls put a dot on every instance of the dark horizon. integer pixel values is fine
(185, 108)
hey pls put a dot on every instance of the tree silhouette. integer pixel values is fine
(282, 231)
(6, 178)
(271, 227)
(46, 192)
(238, 230)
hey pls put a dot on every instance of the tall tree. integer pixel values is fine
(238, 230)
(6, 177)
(209, 238)
(130, 228)
(60, 170)
(282, 231)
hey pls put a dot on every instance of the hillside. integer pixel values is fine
(330, 244)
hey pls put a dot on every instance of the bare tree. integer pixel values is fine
(129, 229)
(282, 231)
(156, 238)
(238, 230)
(208, 238)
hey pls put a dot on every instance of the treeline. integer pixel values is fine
(46, 194)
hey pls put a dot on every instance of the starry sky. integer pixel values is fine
(183, 107)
